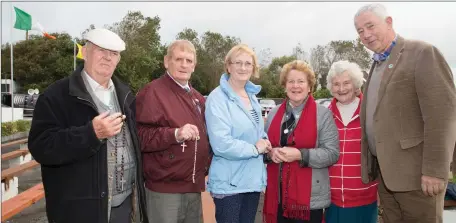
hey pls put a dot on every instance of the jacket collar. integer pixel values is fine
(335, 110)
(250, 87)
(175, 86)
(78, 89)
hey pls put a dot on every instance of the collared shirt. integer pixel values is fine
(104, 94)
(185, 87)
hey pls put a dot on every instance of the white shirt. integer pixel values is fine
(102, 93)
(182, 86)
(347, 111)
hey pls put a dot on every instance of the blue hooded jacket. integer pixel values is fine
(236, 165)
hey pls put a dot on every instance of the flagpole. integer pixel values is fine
(74, 55)
(12, 70)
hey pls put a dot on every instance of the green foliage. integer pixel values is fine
(322, 57)
(10, 128)
(278, 62)
(211, 49)
(322, 93)
(39, 62)
(143, 52)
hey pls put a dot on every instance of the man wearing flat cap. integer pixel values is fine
(84, 136)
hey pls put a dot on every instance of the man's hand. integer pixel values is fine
(290, 154)
(432, 186)
(106, 126)
(187, 132)
(276, 156)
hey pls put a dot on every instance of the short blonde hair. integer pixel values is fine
(242, 48)
(183, 45)
(298, 65)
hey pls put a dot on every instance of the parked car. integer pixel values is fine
(267, 105)
(324, 101)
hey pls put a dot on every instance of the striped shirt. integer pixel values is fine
(254, 115)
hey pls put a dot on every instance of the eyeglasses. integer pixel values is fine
(239, 64)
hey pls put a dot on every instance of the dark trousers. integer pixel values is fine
(239, 208)
(122, 213)
(316, 216)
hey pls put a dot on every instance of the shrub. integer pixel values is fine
(10, 128)
(322, 93)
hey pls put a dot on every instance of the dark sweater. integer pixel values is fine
(161, 107)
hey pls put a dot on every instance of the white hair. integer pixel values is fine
(377, 9)
(353, 70)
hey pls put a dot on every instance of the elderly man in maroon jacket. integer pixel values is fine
(174, 142)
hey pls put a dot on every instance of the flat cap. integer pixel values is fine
(105, 39)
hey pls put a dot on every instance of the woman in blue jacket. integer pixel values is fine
(237, 174)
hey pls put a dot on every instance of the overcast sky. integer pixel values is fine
(279, 26)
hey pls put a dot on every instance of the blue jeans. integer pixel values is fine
(238, 208)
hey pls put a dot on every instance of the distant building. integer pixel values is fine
(6, 86)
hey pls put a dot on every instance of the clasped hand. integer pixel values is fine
(187, 132)
(106, 125)
(284, 154)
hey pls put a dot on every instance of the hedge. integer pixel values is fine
(10, 128)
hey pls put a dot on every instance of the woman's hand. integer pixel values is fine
(290, 154)
(276, 156)
(263, 146)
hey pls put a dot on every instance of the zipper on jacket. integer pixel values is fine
(125, 99)
(90, 103)
(342, 168)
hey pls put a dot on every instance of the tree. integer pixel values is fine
(278, 62)
(264, 57)
(211, 49)
(319, 65)
(39, 62)
(322, 57)
(300, 53)
(143, 49)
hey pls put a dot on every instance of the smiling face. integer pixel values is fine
(297, 87)
(376, 34)
(241, 67)
(343, 88)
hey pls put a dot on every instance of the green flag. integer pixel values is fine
(23, 20)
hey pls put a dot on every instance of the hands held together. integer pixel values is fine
(278, 154)
(284, 154)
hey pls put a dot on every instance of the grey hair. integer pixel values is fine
(339, 67)
(377, 9)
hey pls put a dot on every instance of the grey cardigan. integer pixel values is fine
(320, 158)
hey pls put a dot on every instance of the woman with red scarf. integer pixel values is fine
(305, 143)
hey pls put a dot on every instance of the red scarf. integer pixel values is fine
(296, 180)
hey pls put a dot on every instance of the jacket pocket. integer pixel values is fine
(411, 142)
